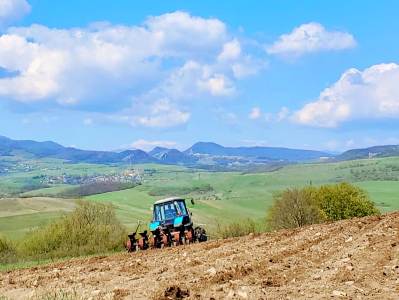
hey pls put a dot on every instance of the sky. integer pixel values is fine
(123, 74)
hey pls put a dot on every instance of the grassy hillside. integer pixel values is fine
(220, 197)
(19, 215)
(223, 197)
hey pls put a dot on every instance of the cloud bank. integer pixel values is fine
(369, 94)
(147, 71)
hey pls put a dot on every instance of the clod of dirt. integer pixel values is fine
(338, 293)
(120, 294)
(211, 271)
(175, 292)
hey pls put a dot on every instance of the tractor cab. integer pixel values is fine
(170, 213)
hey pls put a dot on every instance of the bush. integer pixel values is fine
(294, 208)
(236, 229)
(91, 228)
(310, 205)
(8, 253)
(344, 201)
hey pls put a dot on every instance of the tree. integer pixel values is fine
(294, 208)
(344, 201)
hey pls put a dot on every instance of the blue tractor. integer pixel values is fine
(171, 225)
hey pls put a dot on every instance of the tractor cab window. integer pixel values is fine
(181, 207)
(165, 211)
(158, 213)
(170, 211)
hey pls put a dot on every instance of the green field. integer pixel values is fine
(19, 215)
(220, 197)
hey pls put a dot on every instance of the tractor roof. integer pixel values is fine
(168, 200)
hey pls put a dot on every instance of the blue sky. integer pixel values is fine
(102, 75)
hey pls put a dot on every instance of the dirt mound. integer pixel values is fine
(354, 259)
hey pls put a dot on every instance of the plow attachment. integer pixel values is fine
(163, 238)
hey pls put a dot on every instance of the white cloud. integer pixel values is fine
(12, 10)
(88, 121)
(194, 80)
(179, 33)
(160, 114)
(103, 67)
(217, 85)
(311, 37)
(369, 94)
(149, 145)
(86, 64)
(242, 65)
(163, 114)
(282, 114)
(231, 51)
(247, 66)
(255, 113)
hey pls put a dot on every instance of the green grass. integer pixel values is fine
(52, 191)
(231, 196)
(246, 195)
(18, 216)
(91, 228)
(384, 193)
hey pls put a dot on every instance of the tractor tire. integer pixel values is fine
(200, 234)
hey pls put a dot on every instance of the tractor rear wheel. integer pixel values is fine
(200, 234)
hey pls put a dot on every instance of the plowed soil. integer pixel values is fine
(353, 259)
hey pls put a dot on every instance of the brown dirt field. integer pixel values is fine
(352, 259)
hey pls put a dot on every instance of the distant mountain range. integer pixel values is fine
(54, 150)
(201, 154)
(267, 153)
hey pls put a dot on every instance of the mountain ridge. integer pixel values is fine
(370, 152)
(199, 154)
(273, 153)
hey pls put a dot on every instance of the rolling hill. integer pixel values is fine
(376, 151)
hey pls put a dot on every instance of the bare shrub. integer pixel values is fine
(294, 208)
(236, 229)
(91, 228)
(8, 253)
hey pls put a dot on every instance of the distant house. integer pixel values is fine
(371, 155)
